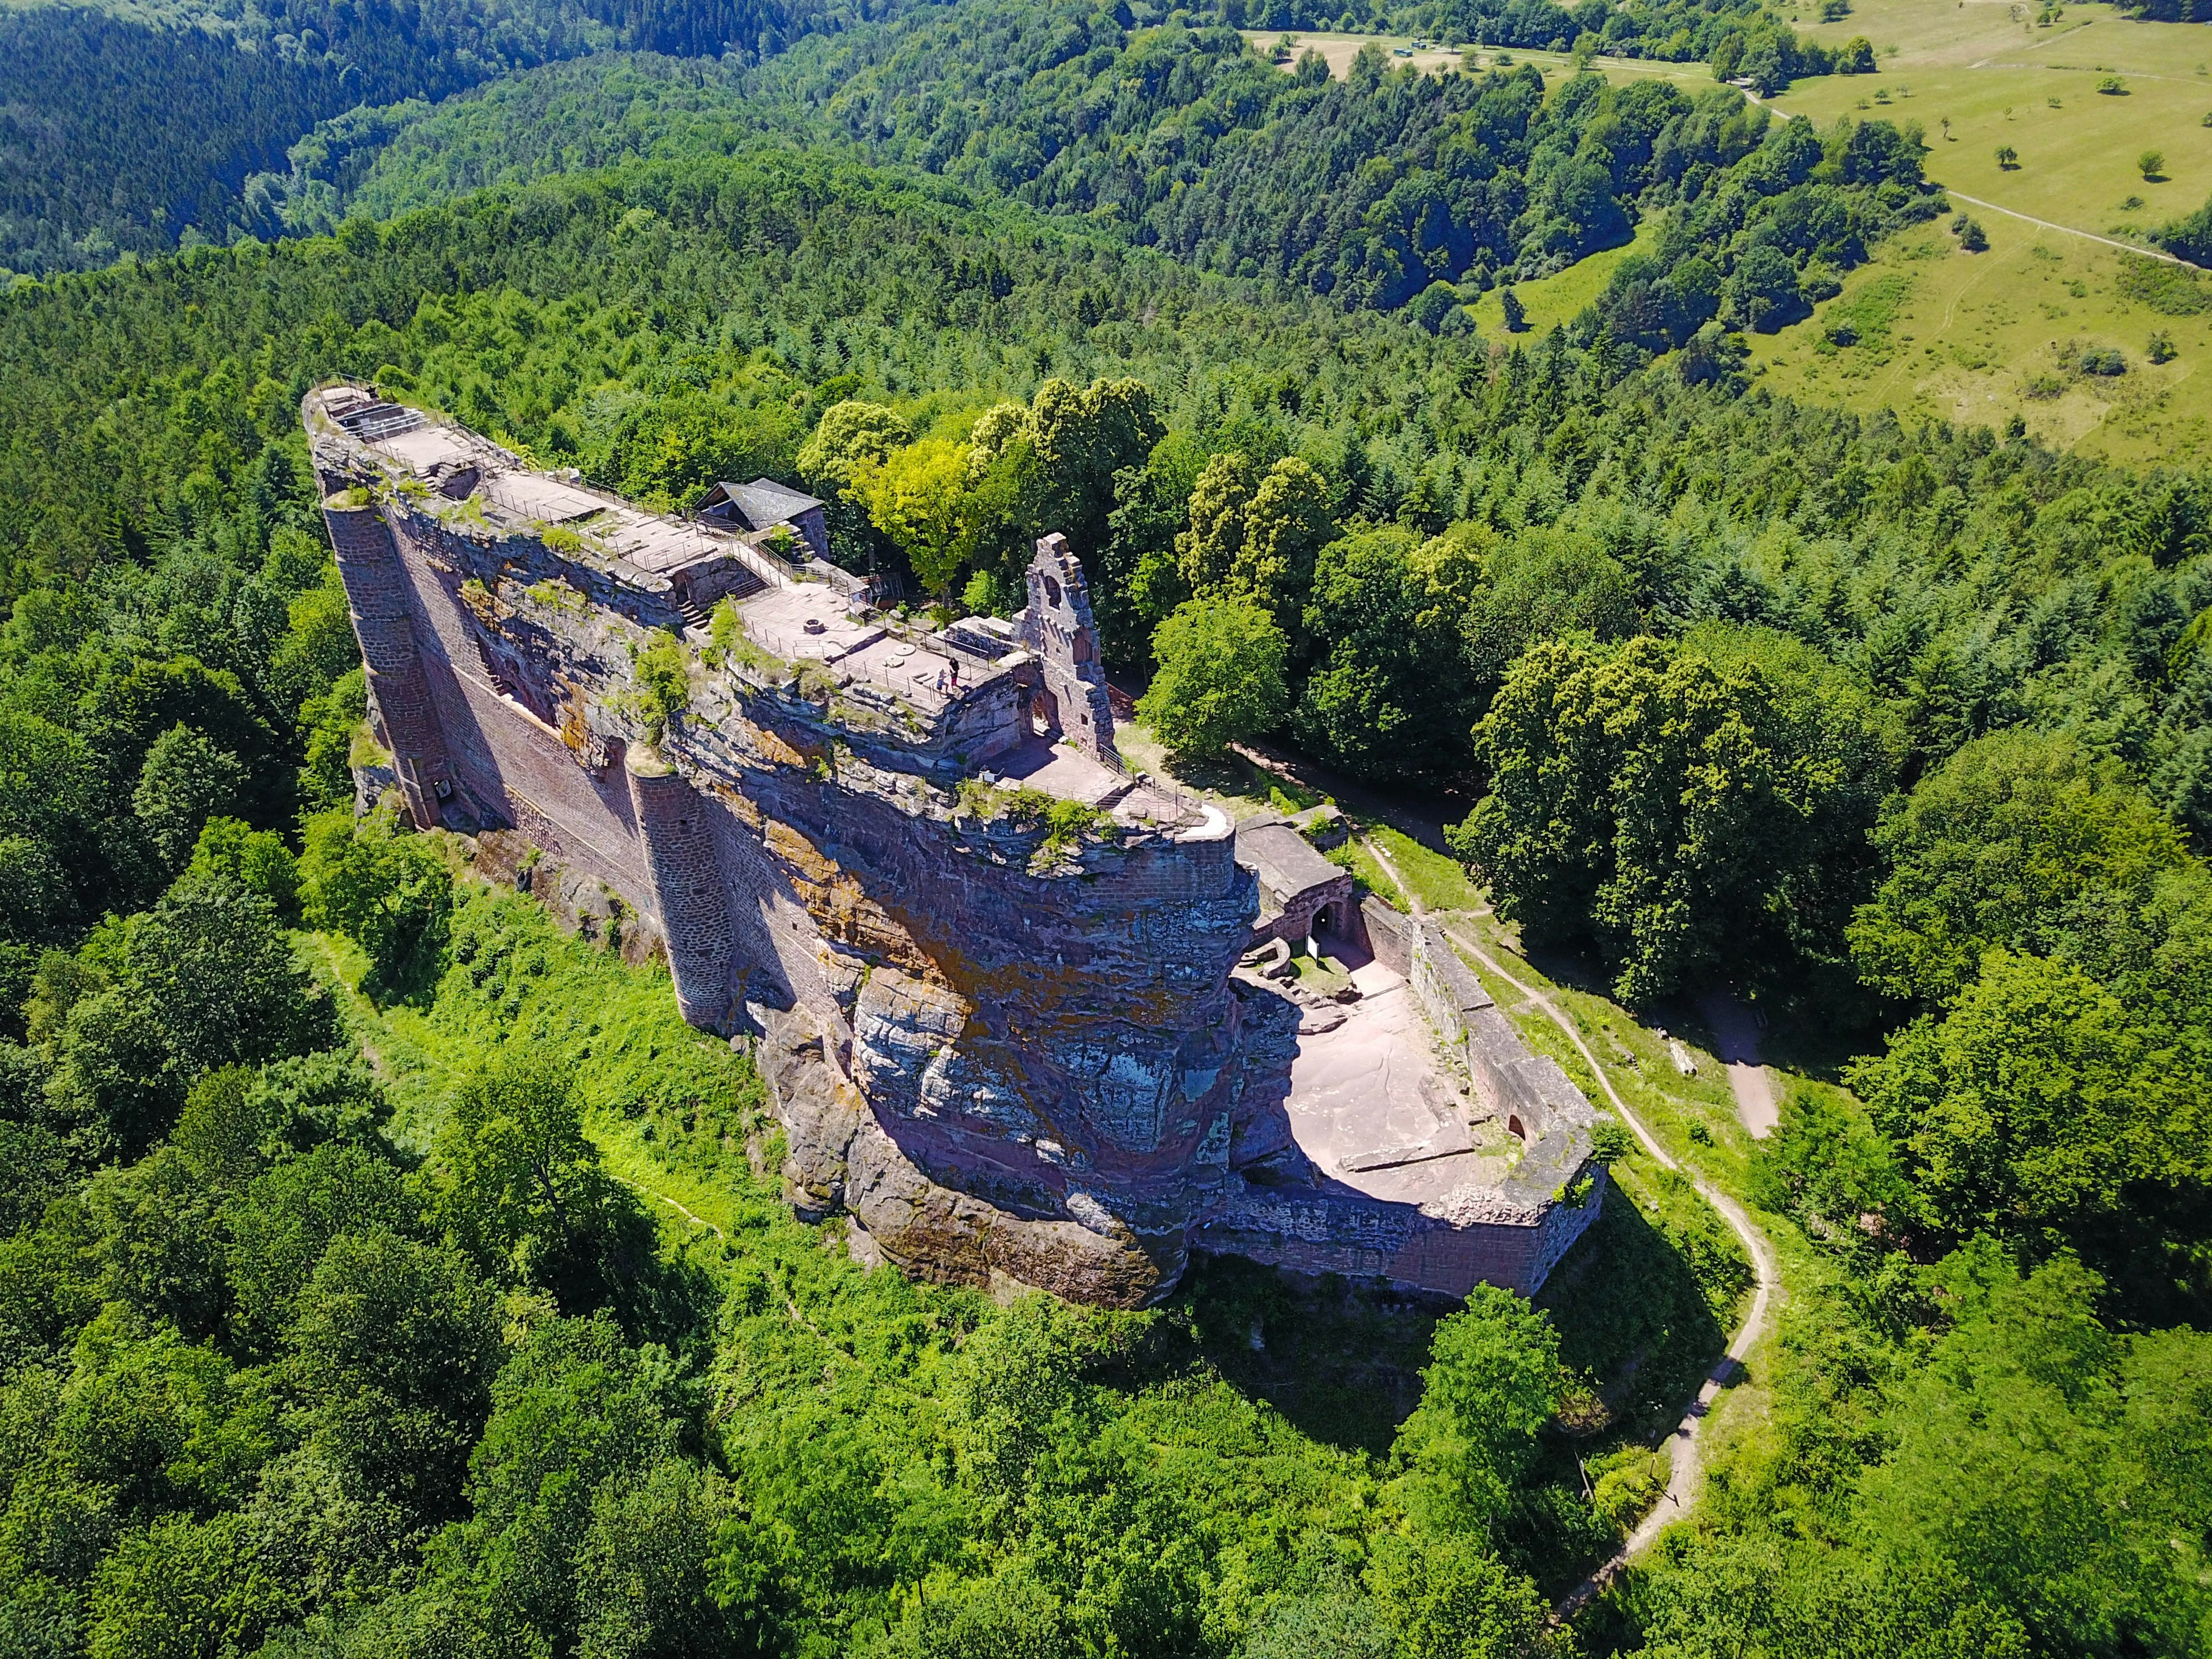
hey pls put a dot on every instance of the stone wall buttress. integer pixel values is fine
(682, 859)
(376, 586)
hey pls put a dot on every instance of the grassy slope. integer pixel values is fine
(1551, 301)
(1968, 335)
(1981, 337)
(1693, 1117)
(1340, 49)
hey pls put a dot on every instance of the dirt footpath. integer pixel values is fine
(1735, 1039)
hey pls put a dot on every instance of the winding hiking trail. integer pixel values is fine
(1735, 1042)
(1682, 1445)
(642, 1190)
(2068, 230)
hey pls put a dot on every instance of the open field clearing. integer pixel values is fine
(1934, 332)
(1977, 338)
(1549, 300)
(2076, 151)
(2024, 123)
(1338, 50)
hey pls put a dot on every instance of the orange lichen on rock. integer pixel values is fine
(840, 907)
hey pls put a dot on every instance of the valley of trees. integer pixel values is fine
(1388, 190)
(348, 1307)
(123, 128)
(124, 131)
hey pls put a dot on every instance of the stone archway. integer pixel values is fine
(1044, 714)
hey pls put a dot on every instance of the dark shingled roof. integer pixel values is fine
(764, 502)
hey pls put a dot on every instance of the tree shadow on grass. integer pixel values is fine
(1632, 1317)
(1569, 969)
(1341, 1364)
(412, 977)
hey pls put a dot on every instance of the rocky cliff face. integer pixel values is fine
(1006, 1040)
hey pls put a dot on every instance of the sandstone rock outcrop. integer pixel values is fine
(988, 974)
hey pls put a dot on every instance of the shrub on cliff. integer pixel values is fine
(1221, 676)
(664, 686)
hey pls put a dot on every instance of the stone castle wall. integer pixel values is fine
(1047, 1049)
(999, 1059)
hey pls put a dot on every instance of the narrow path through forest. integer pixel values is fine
(1683, 1449)
(1735, 1041)
(639, 1187)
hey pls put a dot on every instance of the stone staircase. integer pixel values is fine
(699, 618)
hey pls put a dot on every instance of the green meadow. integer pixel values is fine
(2040, 130)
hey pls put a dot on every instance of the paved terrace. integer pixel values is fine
(1372, 1105)
(793, 614)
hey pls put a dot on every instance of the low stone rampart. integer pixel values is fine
(1385, 931)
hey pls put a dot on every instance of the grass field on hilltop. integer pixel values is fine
(1934, 332)
(1978, 338)
(1984, 337)
(2035, 91)
(1339, 50)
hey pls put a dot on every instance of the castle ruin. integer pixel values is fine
(1009, 999)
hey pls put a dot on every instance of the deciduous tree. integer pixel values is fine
(1690, 810)
(1387, 700)
(1220, 676)
(918, 496)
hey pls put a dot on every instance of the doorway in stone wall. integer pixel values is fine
(1044, 714)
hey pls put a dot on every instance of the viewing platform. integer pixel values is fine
(968, 702)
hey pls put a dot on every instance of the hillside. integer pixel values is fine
(2074, 105)
(1391, 187)
(1599, 485)
(126, 128)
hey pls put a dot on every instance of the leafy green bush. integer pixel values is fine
(390, 894)
(663, 684)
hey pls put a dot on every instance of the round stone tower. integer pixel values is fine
(377, 585)
(678, 836)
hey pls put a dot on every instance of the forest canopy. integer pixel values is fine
(387, 1272)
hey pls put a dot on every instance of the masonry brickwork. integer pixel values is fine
(1003, 1053)
(1058, 627)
